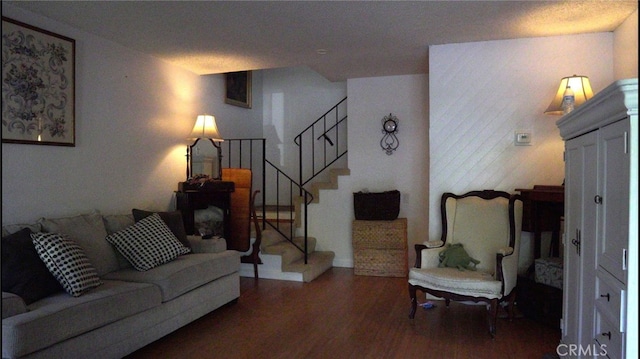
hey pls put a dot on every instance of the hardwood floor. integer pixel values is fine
(340, 315)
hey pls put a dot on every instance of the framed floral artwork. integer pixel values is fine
(238, 88)
(38, 86)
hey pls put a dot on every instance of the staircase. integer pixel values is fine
(287, 252)
(283, 260)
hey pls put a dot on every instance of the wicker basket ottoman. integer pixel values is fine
(380, 248)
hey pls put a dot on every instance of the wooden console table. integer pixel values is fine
(543, 212)
(215, 193)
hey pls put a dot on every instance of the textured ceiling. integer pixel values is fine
(357, 38)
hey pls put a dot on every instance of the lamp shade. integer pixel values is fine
(581, 89)
(206, 127)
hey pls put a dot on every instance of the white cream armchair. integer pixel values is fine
(488, 225)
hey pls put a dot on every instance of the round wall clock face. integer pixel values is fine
(390, 125)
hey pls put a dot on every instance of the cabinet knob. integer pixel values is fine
(607, 334)
(606, 296)
(597, 199)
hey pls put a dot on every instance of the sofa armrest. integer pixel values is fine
(12, 305)
(213, 245)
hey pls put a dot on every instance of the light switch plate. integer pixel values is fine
(523, 138)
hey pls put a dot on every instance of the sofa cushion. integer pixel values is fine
(148, 243)
(212, 245)
(12, 305)
(62, 317)
(184, 273)
(117, 222)
(114, 223)
(172, 219)
(13, 228)
(471, 283)
(89, 232)
(67, 262)
(23, 272)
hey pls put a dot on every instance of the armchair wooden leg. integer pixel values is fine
(414, 303)
(512, 302)
(256, 259)
(493, 316)
(255, 269)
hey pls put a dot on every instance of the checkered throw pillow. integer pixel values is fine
(148, 243)
(67, 262)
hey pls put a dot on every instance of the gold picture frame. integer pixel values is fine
(38, 89)
(238, 88)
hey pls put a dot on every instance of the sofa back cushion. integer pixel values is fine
(115, 223)
(13, 228)
(23, 272)
(89, 232)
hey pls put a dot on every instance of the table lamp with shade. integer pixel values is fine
(581, 89)
(205, 128)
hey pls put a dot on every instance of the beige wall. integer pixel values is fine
(370, 99)
(625, 49)
(482, 93)
(133, 113)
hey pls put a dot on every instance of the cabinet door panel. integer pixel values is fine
(610, 341)
(614, 213)
(580, 236)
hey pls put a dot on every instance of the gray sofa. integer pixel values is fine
(130, 309)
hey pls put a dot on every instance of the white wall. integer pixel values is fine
(370, 99)
(481, 93)
(625, 48)
(233, 121)
(293, 99)
(133, 113)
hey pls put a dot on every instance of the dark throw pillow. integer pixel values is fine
(23, 272)
(172, 219)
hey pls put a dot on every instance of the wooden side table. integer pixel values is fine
(380, 248)
(216, 193)
(543, 211)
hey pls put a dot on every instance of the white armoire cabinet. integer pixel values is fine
(600, 294)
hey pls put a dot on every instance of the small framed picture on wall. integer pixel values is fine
(238, 88)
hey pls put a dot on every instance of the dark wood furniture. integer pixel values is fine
(214, 193)
(233, 196)
(254, 256)
(543, 211)
(239, 237)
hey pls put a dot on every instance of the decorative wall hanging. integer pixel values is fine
(389, 141)
(38, 86)
(238, 88)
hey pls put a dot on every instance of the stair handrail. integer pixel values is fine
(306, 196)
(238, 161)
(298, 140)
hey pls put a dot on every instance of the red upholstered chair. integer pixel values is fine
(488, 225)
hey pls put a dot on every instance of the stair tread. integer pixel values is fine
(317, 263)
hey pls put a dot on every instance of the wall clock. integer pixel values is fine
(389, 141)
